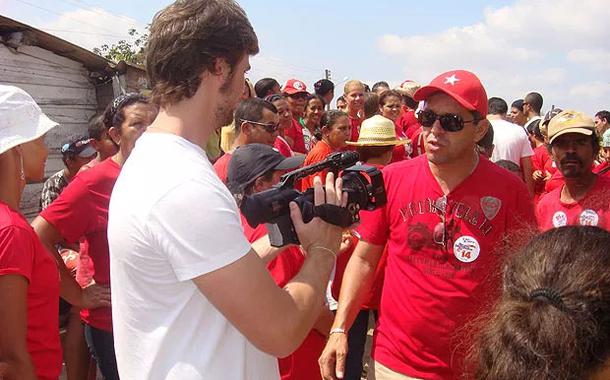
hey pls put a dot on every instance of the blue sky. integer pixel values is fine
(557, 47)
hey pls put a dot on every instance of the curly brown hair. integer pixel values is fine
(187, 38)
(553, 320)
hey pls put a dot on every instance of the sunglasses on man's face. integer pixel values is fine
(299, 96)
(450, 122)
(269, 127)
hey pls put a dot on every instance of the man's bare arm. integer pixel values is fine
(357, 281)
(273, 319)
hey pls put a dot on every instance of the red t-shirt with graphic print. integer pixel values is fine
(443, 261)
(592, 210)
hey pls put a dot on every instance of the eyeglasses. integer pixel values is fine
(439, 234)
(269, 127)
(299, 95)
(450, 122)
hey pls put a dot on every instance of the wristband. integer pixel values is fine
(338, 330)
(311, 248)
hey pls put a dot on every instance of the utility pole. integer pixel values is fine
(327, 74)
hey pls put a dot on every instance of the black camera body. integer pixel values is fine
(362, 183)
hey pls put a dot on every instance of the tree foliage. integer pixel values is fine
(130, 52)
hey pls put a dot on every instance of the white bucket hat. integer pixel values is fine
(21, 119)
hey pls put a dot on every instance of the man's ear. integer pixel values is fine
(114, 135)
(245, 128)
(481, 128)
(221, 67)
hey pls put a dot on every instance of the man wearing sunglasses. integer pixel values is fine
(256, 121)
(446, 221)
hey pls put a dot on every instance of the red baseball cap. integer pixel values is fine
(461, 85)
(294, 86)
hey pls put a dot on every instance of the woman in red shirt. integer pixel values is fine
(390, 105)
(335, 132)
(81, 213)
(353, 92)
(296, 95)
(311, 121)
(29, 279)
(281, 144)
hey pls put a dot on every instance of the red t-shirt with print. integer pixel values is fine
(295, 132)
(443, 261)
(221, 166)
(81, 211)
(592, 210)
(302, 364)
(22, 253)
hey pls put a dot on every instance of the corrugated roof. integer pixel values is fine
(36, 37)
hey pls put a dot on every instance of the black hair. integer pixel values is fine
(487, 141)
(251, 109)
(366, 87)
(114, 115)
(380, 84)
(534, 99)
(329, 118)
(96, 127)
(274, 97)
(603, 115)
(323, 87)
(509, 165)
(497, 106)
(264, 86)
(518, 104)
(534, 129)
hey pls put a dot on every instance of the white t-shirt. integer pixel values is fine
(171, 220)
(511, 142)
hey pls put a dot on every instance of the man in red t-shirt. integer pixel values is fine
(296, 95)
(584, 197)
(445, 225)
(256, 122)
(255, 168)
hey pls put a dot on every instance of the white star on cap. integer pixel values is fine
(451, 80)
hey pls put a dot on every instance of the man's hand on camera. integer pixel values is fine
(318, 233)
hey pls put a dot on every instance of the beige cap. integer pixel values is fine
(570, 121)
(408, 88)
(377, 131)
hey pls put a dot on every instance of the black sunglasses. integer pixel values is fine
(269, 127)
(450, 122)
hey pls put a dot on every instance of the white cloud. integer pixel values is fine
(92, 27)
(547, 45)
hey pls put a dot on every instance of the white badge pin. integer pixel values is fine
(466, 249)
(589, 218)
(490, 206)
(560, 219)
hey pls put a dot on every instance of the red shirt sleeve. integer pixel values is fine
(73, 213)
(373, 226)
(16, 252)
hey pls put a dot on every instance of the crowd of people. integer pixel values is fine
(490, 259)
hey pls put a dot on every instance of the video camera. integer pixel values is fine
(362, 183)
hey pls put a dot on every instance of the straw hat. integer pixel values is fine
(21, 119)
(377, 131)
